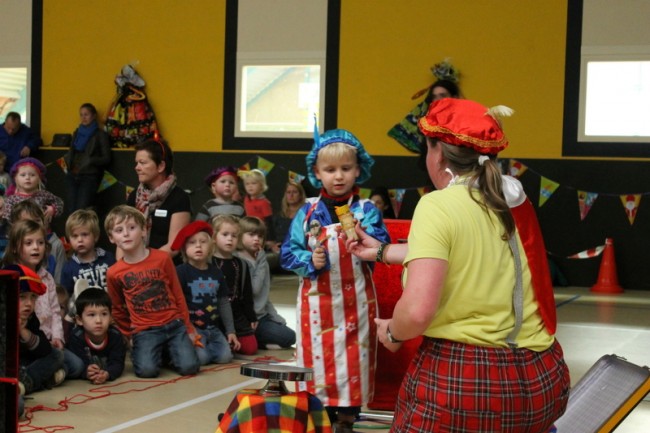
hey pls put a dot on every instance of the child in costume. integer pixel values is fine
(238, 280)
(272, 331)
(336, 300)
(206, 294)
(222, 181)
(148, 303)
(97, 344)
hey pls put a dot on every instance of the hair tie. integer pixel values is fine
(482, 159)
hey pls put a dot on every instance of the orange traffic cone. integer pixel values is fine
(607, 278)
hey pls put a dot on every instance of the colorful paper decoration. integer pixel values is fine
(265, 165)
(631, 205)
(546, 190)
(516, 168)
(585, 201)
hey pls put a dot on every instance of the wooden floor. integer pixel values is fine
(589, 327)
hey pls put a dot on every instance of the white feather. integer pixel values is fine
(500, 111)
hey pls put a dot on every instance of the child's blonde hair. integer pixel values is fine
(82, 218)
(255, 175)
(220, 220)
(17, 233)
(337, 151)
(122, 213)
(250, 224)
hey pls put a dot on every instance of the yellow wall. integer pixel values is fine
(508, 51)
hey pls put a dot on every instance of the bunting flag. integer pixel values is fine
(587, 254)
(265, 165)
(245, 167)
(295, 177)
(631, 204)
(107, 181)
(516, 168)
(364, 192)
(585, 201)
(546, 190)
(423, 190)
(61, 163)
(396, 198)
(129, 190)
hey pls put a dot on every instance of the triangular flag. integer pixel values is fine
(587, 254)
(631, 204)
(107, 181)
(396, 199)
(295, 177)
(364, 192)
(61, 163)
(546, 190)
(516, 168)
(423, 190)
(265, 165)
(129, 190)
(245, 167)
(585, 201)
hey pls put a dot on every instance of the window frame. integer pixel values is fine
(573, 100)
(330, 112)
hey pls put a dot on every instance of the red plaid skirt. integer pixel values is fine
(455, 387)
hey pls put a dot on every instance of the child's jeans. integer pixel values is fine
(216, 348)
(73, 365)
(40, 371)
(271, 332)
(148, 346)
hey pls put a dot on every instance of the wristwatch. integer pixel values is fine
(390, 336)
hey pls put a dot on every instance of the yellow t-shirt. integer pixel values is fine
(476, 303)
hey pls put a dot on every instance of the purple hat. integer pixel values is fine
(38, 165)
(220, 171)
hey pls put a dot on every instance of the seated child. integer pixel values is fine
(272, 331)
(148, 303)
(238, 279)
(88, 261)
(39, 362)
(95, 343)
(223, 184)
(255, 202)
(206, 294)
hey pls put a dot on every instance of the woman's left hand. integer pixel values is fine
(382, 329)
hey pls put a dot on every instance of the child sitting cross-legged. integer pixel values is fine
(222, 181)
(94, 342)
(148, 302)
(206, 294)
(39, 361)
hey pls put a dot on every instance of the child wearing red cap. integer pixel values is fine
(38, 360)
(206, 294)
(28, 175)
(222, 181)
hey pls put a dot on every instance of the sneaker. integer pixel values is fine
(271, 346)
(59, 377)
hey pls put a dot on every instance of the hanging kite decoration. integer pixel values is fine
(406, 132)
(130, 118)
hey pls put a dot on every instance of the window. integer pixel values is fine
(278, 100)
(14, 91)
(281, 68)
(607, 79)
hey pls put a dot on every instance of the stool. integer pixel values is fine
(276, 375)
